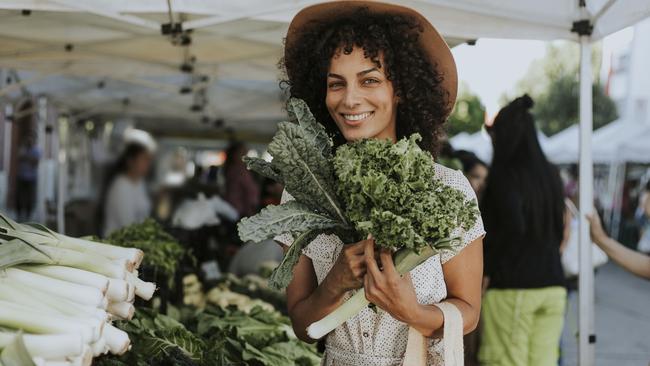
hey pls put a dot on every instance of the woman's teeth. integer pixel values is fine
(357, 117)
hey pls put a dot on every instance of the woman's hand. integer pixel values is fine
(386, 288)
(350, 268)
(598, 234)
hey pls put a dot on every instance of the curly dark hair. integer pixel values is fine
(423, 105)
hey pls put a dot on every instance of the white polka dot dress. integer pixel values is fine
(376, 338)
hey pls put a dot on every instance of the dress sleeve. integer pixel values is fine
(285, 239)
(467, 236)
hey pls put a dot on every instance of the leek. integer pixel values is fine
(32, 321)
(74, 275)
(78, 293)
(47, 346)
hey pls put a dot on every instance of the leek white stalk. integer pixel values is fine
(143, 289)
(14, 316)
(98, 347)
(44, 235)
(117, 340)
(132, 255)
(43, 301)
(405, 261)
(47, 346)
(124, 310)
(38, 361)
(130, 296)
(118, 290)
(75, 292)
(74, 275)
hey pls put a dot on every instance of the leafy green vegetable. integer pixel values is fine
(163, 250)
(302, 161)
(213, 337)
(390, 191)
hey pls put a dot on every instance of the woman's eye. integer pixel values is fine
(335, 85)
(370, 81)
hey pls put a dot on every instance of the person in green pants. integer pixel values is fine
(523, 209)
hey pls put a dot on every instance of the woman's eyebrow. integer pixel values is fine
(359, 74)
(367, 71)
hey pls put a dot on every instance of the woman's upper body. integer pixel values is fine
(379, 333)
(125, 200)
(372, 70)
(522, 206)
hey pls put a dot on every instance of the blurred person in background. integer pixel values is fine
(523, 209)
(242, 192)
(635, 262)
(26, 177)
(125, 200)
(642, 216)
(475, 170)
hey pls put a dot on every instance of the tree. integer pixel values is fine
(468, 114)
(553, 83)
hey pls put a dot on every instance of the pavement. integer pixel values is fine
(622, 312)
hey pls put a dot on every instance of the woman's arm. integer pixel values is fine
(308, 302)
(633, 261)
(463, 276)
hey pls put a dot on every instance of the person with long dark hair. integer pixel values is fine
(523, 209)
(125, 199)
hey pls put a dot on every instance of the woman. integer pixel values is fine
(126, 200)
(635, 262)
(523, 208)
(373, 70)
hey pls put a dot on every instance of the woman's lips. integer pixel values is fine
(356, 119)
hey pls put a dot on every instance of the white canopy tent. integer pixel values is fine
(237, 44)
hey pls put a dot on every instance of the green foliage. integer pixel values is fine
(468, 114)
(213, 337)
(163, 252)
(390, 191)
(553, 83)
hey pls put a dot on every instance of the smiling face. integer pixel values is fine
(360, 98)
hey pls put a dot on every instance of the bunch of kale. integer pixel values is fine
(367, 187)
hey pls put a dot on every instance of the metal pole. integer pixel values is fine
(62, 175)
(587, 337)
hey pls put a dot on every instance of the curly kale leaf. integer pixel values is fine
(314, 131)
(291, 216)
(390, 191)
(308, 176)
(263, 168)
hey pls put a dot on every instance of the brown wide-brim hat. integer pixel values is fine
(432, 43)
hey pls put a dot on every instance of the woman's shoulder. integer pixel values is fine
(453, 178)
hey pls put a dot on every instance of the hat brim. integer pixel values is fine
(432, 43)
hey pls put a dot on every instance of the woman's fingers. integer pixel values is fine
(387, 264)
(371, 264)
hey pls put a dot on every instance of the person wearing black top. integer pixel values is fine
(523, 210)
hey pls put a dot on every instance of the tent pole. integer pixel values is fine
(587, 338)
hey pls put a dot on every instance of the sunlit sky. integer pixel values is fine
(493, 67)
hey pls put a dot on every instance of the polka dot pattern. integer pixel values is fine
(375, 338)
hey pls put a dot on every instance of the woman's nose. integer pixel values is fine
(351, 98)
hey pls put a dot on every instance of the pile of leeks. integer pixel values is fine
(59, 295)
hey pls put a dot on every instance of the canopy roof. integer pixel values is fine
(237, 44)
